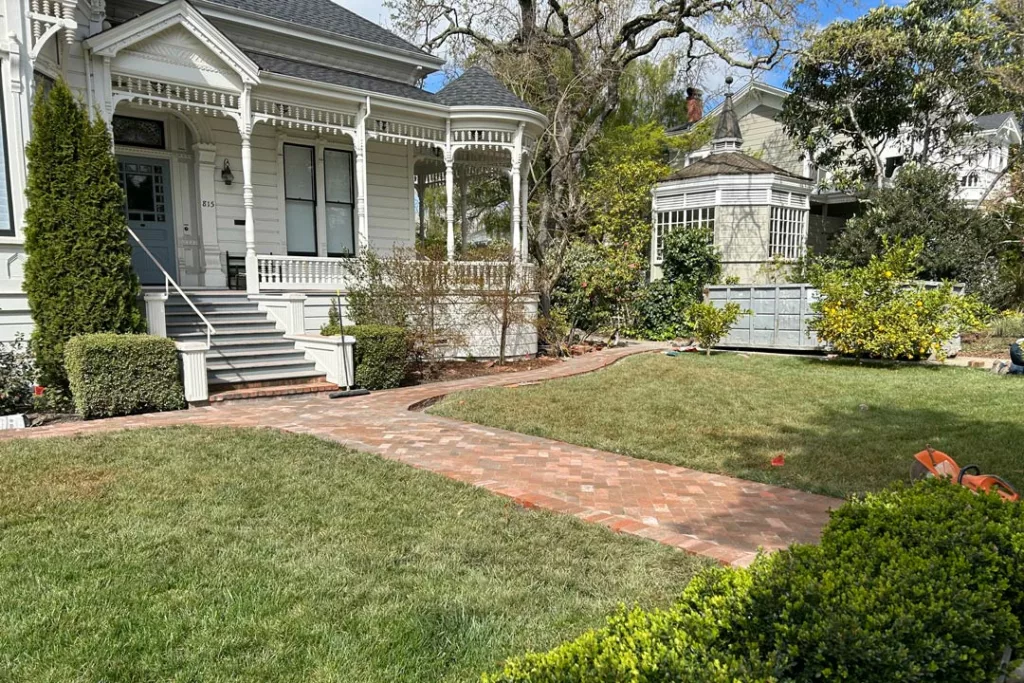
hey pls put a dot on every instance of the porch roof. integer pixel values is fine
(322, 74)
(476, 87)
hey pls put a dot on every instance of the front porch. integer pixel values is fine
(243, 168)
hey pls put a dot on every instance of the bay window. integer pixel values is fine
(666, 221)
(788, 233)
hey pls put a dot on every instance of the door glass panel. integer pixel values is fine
(338, 175)
(300, 219)
(340, 232)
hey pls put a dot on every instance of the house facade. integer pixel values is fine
(263, 144)
(756, 108)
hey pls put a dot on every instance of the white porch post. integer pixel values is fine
(359, 145)
(449, 187)
(421, 190)
(524, 249)
(517, 161)
(463, 209)
(206, 173)
(252, 278)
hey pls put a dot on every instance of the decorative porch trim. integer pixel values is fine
(167, 95)
(47, 18)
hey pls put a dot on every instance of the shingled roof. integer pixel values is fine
(476, 87)
(729, 163)
(323, 74)
(992, 121)
(324, 15)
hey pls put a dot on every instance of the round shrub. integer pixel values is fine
(920, 583)
(381, 353)
(659, 312)
(692, 260)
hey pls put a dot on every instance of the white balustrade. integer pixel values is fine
(315, 273)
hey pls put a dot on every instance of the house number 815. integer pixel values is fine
(209, 203)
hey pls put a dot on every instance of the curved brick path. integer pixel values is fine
(712, 515)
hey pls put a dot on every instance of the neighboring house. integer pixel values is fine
(262, 143)
(763, 138)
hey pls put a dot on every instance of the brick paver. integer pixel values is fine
(712, 515)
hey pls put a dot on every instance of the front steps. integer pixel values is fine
(248, 352)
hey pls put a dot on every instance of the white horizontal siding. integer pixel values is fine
(389, 194)
(15, 317)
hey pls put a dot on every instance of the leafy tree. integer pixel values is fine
(711, 323)
(910, 77)
(79, 276)
(959, 243)
(570, 60)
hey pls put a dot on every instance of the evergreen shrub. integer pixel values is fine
(381, 353)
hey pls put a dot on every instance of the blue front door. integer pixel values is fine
(147, 188)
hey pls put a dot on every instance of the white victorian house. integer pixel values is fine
(262, 145)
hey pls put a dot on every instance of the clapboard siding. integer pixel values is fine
(765, 137)
(15, 318)
(389, 179)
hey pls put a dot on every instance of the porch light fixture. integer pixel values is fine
(226, 175)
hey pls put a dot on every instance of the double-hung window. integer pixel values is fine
(304, 209)
(6, 207)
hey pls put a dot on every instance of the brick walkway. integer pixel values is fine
(712, 515)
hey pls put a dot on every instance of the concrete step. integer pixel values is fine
(216, 377)
(295, 360)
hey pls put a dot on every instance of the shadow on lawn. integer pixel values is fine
(841, 452)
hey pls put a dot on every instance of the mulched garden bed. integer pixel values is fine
(452, 370)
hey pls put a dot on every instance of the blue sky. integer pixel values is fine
(826, 12)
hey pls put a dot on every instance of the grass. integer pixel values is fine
(844, 428)
(198, 554)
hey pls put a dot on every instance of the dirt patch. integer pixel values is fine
(75, 483)
(985, 345)
(468, 369)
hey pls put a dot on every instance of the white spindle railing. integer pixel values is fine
(317, 273)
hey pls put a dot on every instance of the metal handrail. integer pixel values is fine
(169, 282)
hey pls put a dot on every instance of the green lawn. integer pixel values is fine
(213, 555)
(844, 428)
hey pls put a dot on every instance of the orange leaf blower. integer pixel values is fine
(933, 463)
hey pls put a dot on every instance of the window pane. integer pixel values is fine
(300, 222)
(338, 175)
(299, 178)
(340, 233)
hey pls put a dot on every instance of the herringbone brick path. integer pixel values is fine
(712, 515)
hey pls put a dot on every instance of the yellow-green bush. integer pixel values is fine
(878, 311)
(710, 323)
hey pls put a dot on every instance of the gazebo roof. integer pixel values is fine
(477, 87)
(729, 163)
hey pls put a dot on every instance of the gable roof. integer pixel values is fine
(729, 163)
(993, 121)
(323, 74)
(324, 15)
(476, 87)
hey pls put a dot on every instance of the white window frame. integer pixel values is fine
(787, 237)
(5, 159)
(668, 220)
(319, 146)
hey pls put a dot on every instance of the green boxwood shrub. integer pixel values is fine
(919, 584)
(381, 353)
(123, 374)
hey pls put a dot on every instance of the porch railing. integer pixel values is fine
(169, 282)
(317, 273)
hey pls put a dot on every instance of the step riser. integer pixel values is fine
(296, 362)
(263, 375)
(239, 309)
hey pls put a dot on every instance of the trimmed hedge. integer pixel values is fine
(381, 353)
(123, 374)
(913, 584)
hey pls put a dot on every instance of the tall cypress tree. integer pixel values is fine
(78, 276)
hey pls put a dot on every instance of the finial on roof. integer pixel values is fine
(728, 137)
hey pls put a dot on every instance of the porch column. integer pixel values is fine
(463, 209)
(206, 176)
(421, 190)
(516, 210)
(245, 123)
(359, 145)
(449, 186)
(524, 249)
(252, 278)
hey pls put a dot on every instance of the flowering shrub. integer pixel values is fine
(710, 323)
(17, 375)
(878, 311)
